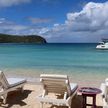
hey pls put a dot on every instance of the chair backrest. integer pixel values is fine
(3, 81)
(104, 89)
(55, 83)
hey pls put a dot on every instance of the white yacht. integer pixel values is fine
(103, 44)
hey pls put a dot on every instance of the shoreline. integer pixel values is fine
(92, 80)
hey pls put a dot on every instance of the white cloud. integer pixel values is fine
(7, 3)
(43, 30)
(39, 20)
(9, 27)
(88, 25)
(93, 17)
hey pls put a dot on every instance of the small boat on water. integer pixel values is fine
(103, 44)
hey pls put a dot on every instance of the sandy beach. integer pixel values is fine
(28, 99)
(67, 39)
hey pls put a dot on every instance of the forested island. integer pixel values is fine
(5, 38)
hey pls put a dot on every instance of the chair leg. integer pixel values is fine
(5, 98)
(69, 106)
(41, 105)
(22, 90)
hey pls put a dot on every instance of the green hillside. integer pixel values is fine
(5, 38)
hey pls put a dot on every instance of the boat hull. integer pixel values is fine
(103, 47)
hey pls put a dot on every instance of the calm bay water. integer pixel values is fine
(79, 61)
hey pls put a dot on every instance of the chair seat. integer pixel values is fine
(52, 100)
(46, 99)
(15, 81)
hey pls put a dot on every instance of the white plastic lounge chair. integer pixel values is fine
(104, 94)
(58, 85)
(9, 84)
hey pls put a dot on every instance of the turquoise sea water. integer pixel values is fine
(76, 60)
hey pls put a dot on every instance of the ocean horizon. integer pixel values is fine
(82, 62)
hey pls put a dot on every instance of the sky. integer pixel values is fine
(58, 21)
